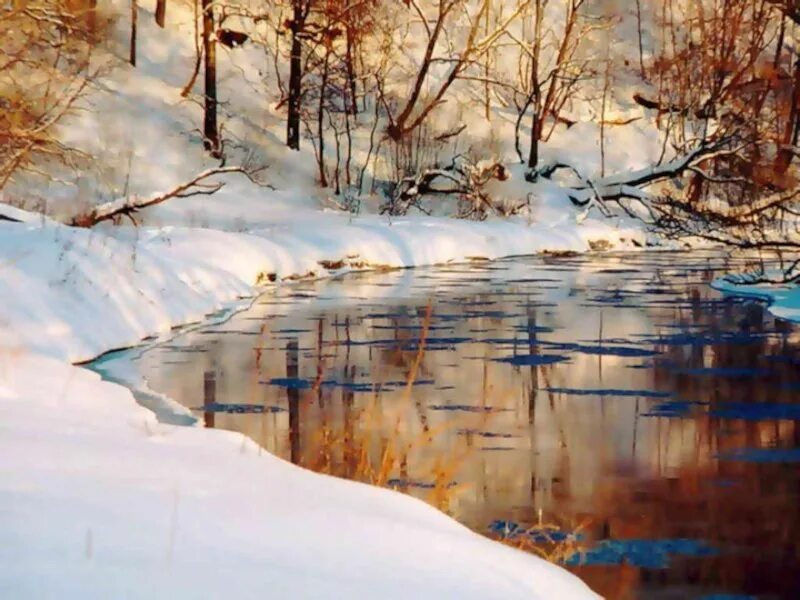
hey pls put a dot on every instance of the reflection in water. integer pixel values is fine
(617, 397)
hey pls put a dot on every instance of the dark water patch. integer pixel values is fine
(490, 314)
(533, 328)
(607, 392)
(705, 339)
(291, 383)
(761, 455)
(533, 280)
(678, 409)
(601, 350)
(228, 331)
(756, 411)
(420, 327)
(239, 409)
(412, 345)
(468, 408)
(646, 554)
(531, 360)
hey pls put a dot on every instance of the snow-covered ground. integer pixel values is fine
(99, 500)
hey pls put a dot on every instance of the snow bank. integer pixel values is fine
(784, 300)
(99, 500)
(75, 293)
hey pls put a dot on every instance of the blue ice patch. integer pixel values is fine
(647, 554)
(607, 392)
(757, 411)
(673, 410)
(761, 455)
(240, 409)
(531, 360)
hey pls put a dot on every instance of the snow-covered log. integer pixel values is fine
(632, 184)
(197, 186)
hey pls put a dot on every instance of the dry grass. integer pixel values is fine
(552, 548)
(377, 450)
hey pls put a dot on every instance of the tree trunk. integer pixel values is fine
(161, 12)
(210, 132)
(639, 34)
(351, 70)
(536, 127)
(323, 178)
(295, 80)
(536, 89)
(134, 21)
(91, 17)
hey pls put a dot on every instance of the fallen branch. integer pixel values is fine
(128, 206)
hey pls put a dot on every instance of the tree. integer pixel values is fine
(211, 140)
(44, 72)
(134, 24)
(552, 68)
(440, 48)
(297, 26)
(161, 12)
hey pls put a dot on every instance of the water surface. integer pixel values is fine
(613, 411)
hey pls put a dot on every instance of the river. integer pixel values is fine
(612, 412)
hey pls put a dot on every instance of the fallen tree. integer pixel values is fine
(129, 206)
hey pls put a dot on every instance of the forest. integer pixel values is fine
(421, 102)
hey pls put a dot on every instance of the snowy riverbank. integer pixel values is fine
(76, 293)
(99, 500)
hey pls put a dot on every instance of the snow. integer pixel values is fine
(75, 293)
(99, 500)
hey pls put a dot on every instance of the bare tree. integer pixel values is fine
(553, 68)
(211, 140)
(134, 25)
(129, 206)
(161, 12)
(440, 48)
(44, 72)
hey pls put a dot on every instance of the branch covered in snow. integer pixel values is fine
(197, 186)
(461, 179)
